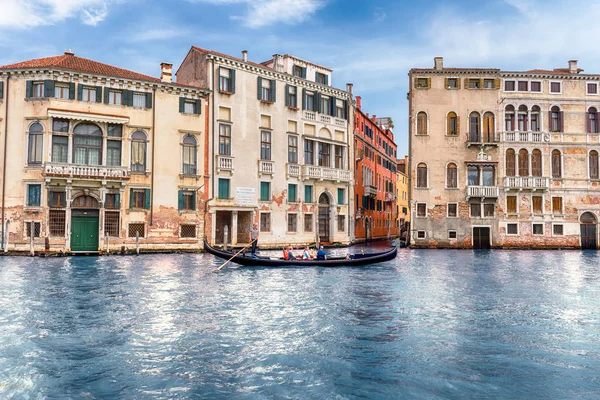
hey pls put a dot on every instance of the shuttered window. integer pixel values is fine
(421, 123)
(421, 175)
(511, 204)
(510, 162)
(556, 164)
(292, 193)
(594, 165)
(223, 188)
(265, 191)
(308, 194)
(537, 204)
(451, 176)
(452, 124)
(523, 163)
(536, 163)
(557, 205)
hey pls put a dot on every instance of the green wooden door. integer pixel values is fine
(84, 233)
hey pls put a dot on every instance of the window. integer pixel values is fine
(189, 148)
(488, 83)
(187, 200)
(292, 223)
(264, 89)
(535, 118)
(510, 162)
(292, 193)
(592, 88)
(536, 86)
(138, 198)
(88, 94)
(475, 210)
(522, 119)
(556, 164)
(536, 163)
(557, 230)
(555, 119)
(57, 199)
(56, 222)
(339, 157)
(265, 222)
(474, 84)
(136, 230)
(189, 107)
(320, 78)
(309, 101)
(265, 145)
(451, 176)
(489, 128)
(61, 91)
(422, 175)
(509, 86)
(537, 205)
(421, 123)
(523, 86)
(60, 147)
(523, 163)
(341, 196)
(87, 144)
(421, 210)
(511, 204)
(34, 195)
(474, 127)
(36, 138)
(265, 191)
(113, 152)
(225, 140)
(420, 234)
(555, 87)
(452, 210)
(325, 105)
(341, 223)
(309, 147)
(111, 223)
(308, 222)
(473, 178)
(225, 81)
(512, 229)
(187, 230)
(592, 120)
(452, 83)
(114, 97)
(557, 204)
(138, 151)
(308, 194)
(422, 83)
(60, 125)
(115, 130)
(488, 210)
(291, 96)
(509, 118)
(340, 110)
(451, 234)
(223, 188)
(139, 100)
(299, 71)
(112, 201)
(324, 154)
(452, 124)
(292, 149)
(37, 229)
(538, 229)
(594, 165)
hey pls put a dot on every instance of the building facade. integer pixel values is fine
(280, 150)
(96, 157)
(375, 182)
(403, 187)
(520, 169)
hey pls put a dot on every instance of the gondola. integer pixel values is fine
(249, 260)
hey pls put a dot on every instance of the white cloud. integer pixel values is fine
(31, 13)
(261, 13)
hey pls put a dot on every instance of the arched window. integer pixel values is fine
(592, 120)
(422, 175)
(451, 176)
(473, 175)
(421, 123)
(510, 163)
(189, 155)
(509, 118)
(87, 144)
(489, 129)
(452, 124)
(474, 127)
(522, 119)
(138, 151)
(523, 163)
(556, 122)
(594, 165)
(535, 118)
(587, 218)
(536, 162)
(36, 138)
(556, 164)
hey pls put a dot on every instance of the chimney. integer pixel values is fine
(573, 67)
(69, 52)
(374, 119)
(166, 72)
(367, 114)
(278, 63)
(438, 63)
(245, 55)
(349, 87)
(358, 104)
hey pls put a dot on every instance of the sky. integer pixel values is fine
(371, 43)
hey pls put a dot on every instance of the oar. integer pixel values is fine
(227, 262)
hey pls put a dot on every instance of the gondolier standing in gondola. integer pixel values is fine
(254, 237)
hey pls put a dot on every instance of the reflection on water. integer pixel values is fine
(430, 324)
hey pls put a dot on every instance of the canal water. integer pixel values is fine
(430, 324)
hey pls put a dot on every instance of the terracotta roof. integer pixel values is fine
(554, 71)
(216, 53)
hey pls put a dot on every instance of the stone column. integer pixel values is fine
(68, 198)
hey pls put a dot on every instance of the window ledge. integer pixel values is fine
(452, 88)
(190, 114)
(452, 188)
(183, 176)
(422, 87)
(140, 173)
(418, 188)
(267, 102)
(418, 134)
(225, 92)
(293, 108)
(33, 209)
(37, 98)
(186, 211)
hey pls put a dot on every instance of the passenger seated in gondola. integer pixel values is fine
(306, 254)
(321, 255)
(291, 255)
(287, 253)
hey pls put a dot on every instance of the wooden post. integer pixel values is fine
(107, 248)
(225, 237)
(31, 234)
(6, 235)
(137, 243)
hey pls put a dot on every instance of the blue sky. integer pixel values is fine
(371, 43)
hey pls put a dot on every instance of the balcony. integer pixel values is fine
(224, 163)
(390, 196)
(370, 190)
(313, 116)
(484, 139)
(293, 170)
(526, 183)
(483, 191)
(322, 173)
(60, 170)
(528, 137)
(265, 167)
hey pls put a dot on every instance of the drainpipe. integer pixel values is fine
(4, 159)
(210, 150)
(153, 147)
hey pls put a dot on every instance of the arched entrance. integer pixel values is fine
(324, 218)
(588, 230)
(85, 212)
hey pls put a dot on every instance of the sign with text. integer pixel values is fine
(245, 195)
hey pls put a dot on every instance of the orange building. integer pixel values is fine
(375, 178)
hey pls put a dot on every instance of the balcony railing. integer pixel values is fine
(370, 190)
(479, 139)
(390, 196)
(483, 191)
(527, 182)
(266, 167)
(533, 137)
(86, 171)
(293, 170)
(324, 118)
(322, 173)
(224, 163)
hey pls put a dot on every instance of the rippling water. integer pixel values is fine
(430, 324)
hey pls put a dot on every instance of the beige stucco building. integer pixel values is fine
(402, 201)
(280, 149)
(94, 155)
(504, 159)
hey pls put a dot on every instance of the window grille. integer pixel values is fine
(136, 228)
(111, 224)
(188, 231)
(56, 225)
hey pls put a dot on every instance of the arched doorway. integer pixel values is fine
(85, 212)
(324, 218)
(588, 230)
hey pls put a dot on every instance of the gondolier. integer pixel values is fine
(254, 233)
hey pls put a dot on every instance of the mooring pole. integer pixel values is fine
(5, 238)
(31, 233)
(137, 243)
(225, 237)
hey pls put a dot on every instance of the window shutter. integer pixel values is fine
(316, 76)
(597, 123)
(127, 98)
(148, 100)
(428, 83)
(273, 94)
(332, 104)
(345, 109)
(48, 88)
(71, 91)
(550, 121)
(117, 200)
(588, 123)
(180, 202)
(107, 94)
(326, 79)
(232, 79)
(446, 82)
(198, 108)
(259, 80)
(466, 83)
(181, 104)
(147, 199)
(318, 102)
(497, 83)
(448, 129)
(303, 72)
(561, 121)
(29, 90)
(193, 200)
(1, 90)
(304, 99)
(287, 98)
(99, 94)
(131, 199)
(80, 92)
